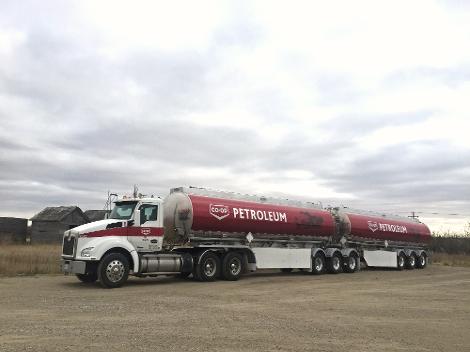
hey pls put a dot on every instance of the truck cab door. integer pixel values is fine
(147, 232)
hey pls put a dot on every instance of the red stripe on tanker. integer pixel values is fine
(229, 215)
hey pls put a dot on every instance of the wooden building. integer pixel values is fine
(49, 225)
(13, 230)
(95, 215)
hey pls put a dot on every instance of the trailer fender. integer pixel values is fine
(249, 259)
(409, 252)
(329, 252)
(419, 252)
(346, 252)
(317, 250)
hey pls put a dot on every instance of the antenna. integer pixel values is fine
(136, 191)
(109, 201)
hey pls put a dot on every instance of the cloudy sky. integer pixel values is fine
(358, 103)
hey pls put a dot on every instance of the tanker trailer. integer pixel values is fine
(213, 235)
(385, 240)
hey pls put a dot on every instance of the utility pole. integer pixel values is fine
(413, 215)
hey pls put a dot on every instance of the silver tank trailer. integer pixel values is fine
(177, 216)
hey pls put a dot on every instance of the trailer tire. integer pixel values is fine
(411, 262)
(351, 264)
(113, 270)
(87, 278)
(207, 267)
(422, 261)
(318, 264)
(232, 266)
(401, 262)
(335, 263)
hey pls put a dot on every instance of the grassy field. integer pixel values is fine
(451, 259)
(45, 259)
(29, 259)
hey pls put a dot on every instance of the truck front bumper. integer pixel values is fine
(73, 266)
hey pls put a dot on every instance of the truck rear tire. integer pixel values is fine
(411, 262)
(113, 270)
(232, 266)
(318, 264)
(335, 264)
(207, 267)
(87, 278)
(351, 264)
(422, 261)
(401, 261)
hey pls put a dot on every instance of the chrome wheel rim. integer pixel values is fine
(209, 267)
(401, 261)
(352, 263)
(115, 271)
(336, 263)
(318, 264)
(235, 266)
(412, 261)
(423, 260)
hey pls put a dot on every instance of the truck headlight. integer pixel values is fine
(86, 252)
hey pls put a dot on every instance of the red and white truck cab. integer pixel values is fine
(135, 225)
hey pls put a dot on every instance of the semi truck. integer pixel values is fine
(219, 235)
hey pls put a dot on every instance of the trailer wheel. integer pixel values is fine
(207, 267)
(87, 278)
(232, 266)
(401, 261)
(318, 264)
(411, 262)
(351, 263)
(422, 261)
(335, 263)
(113, 270)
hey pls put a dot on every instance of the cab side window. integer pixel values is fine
(148, 212)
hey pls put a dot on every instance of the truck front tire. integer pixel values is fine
(87, 278)
(113, 270)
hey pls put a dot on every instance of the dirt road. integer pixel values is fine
(420, 310)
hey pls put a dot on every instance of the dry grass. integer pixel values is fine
(451, 259)
(45, 259)
(29, 259)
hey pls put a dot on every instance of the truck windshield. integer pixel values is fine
(123, 210)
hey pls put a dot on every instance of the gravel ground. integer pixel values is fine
(420, 310)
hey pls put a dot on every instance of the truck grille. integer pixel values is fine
(69, 246)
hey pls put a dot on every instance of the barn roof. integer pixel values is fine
(95, 215)
(56, 213)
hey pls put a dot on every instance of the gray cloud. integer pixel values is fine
(77, 122)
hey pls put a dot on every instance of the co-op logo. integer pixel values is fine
(373, 226)
(219, 211)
